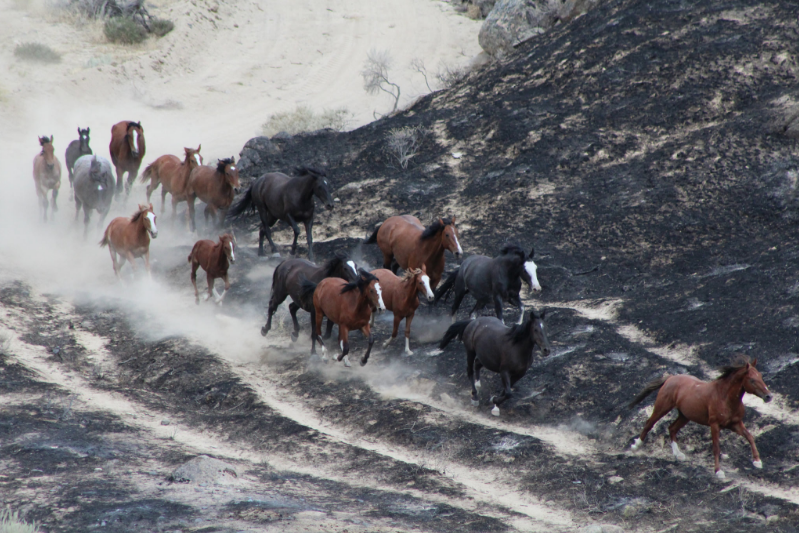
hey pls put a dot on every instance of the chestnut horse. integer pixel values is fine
(716, 404)
(130, 238)
(404, 239)
(401, 296)
(173, 176)
(127, 152)
(215, 186)
(46, 175)
(215, 258)
(350, 305)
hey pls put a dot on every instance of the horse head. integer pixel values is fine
(135, 138)
(422, 281)
(537, 331)
(321, 187)
(754, 384)
(149, 219)
(369, 286)
(449, 236)
(83, 137)
(48, 151)
(228, 243)
(193, 157)
(227, 167)
(529, 274)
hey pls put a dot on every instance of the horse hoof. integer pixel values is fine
(720, 475)
(264, 331)
(294, 336)
(475, 403)
(408, 353)
(477, 384)
(495, 411)
(758, 464)
(363, 362)
(347, 361)
(636, 444)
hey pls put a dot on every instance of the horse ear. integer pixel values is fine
(754, 363)
(88, 130)
(441, 221)
(151, 207)
(233, 159)
(199, 146)
(453, 219)
(78, 130)
(532, 253)
(51, 138)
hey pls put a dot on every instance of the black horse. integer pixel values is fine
(75, 150)
(287, 281)
(279, 197)
(495, 280)
(507, 351)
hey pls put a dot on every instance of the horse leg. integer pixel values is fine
(663, 405)
(163, 204)
(293, 308)
(504, 396)
(478, 366)
(190, 202)
(316, 324)
(132, 174)
(470, 360)
(55, 198)
(87, 215)
(408, 320)
(118, 189)
(460, 293)
(296, 229)
(329, 330)
(498, 307)
(261, 235)
(194, 266)
(309, 237)
(129, 256)
(77, 208)
(367, 332)
(221, 297)
(344, 343)
(388, 257)
(741, 430)
(147, 263)
(209, 279)
(674, 427)
(714, 434)
(114, 261)
(517, 301)
(397, 319)
(268, 233)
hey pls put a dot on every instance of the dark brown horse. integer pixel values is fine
(46, 174)
(215, 186)
(404, 239)
(215, 258)
(717, 404)
(173, 176)
(350, 305)
(127, 152)
(75, 151)
(130, 238)
(401, 296)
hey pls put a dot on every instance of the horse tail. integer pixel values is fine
(373, 238)
(445, 287)
(307, 288)
(651, 387)
(147, 172)
(455, 330)
(240, 205)
(105, 241)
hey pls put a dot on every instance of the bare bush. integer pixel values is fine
(403, 143)
(36, 52)
(417, 64)
(449, 76)
(375, 75)
(304, 119)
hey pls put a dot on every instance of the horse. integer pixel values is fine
(130, 238)
(75, 151)
(127, 152)
(507, 351)
(279, 197)
(173, 176)
(46, 175)
(215, 186)
(215, 258)
(350, 305)
(287, 281)
(717, 404)
(401, 296)
(495, 280)
(404, 239)
(94, 188)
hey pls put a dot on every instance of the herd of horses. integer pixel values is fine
(350, 296)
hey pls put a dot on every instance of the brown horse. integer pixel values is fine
(215, 186)
(173, 176)
(404, 239)
(127, 152)
(716, 404)
(350, 305)
(46, 174)
(130, 238)
(215, 258)
(401, 296)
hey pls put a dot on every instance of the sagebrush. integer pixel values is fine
(124, 30)
(303, 119)
(403, 143)
(161, 27)
(36, 52)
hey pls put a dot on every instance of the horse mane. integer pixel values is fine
(435, 228)
(134, 124)
(410, 274)
(513, 249)
(222, 163)
(739, 361)
(364, 278)
(520, 332)
(332, 264)
(138, 214)
(310, 171)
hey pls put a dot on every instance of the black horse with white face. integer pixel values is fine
(279, 197)
(507, 351)
(496, 280)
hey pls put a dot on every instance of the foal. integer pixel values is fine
(717, 404)
(46, 175)
(130, 238)
(350, 305)
(401, 296)
(215, 258)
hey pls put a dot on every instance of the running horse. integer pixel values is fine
(46, 175)
(279, 197)
(215, 258)
(401, 296)
(287, 281)
(77, 149)
(507, 351)
(172, 175)
(350, 305)
(215, 186)
(404, 239)
(494, 280)
(94, 188)
(717, 404)
(130, 238)
(127, 152)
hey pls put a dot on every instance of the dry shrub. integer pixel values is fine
(161, 27)
(449, 76)
(474, 12)
(36, 52)
(403, 143)
(11, 523)
(124, 30)
(304, 119)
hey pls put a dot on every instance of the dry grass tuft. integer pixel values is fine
(37, 52)
(303, 119)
